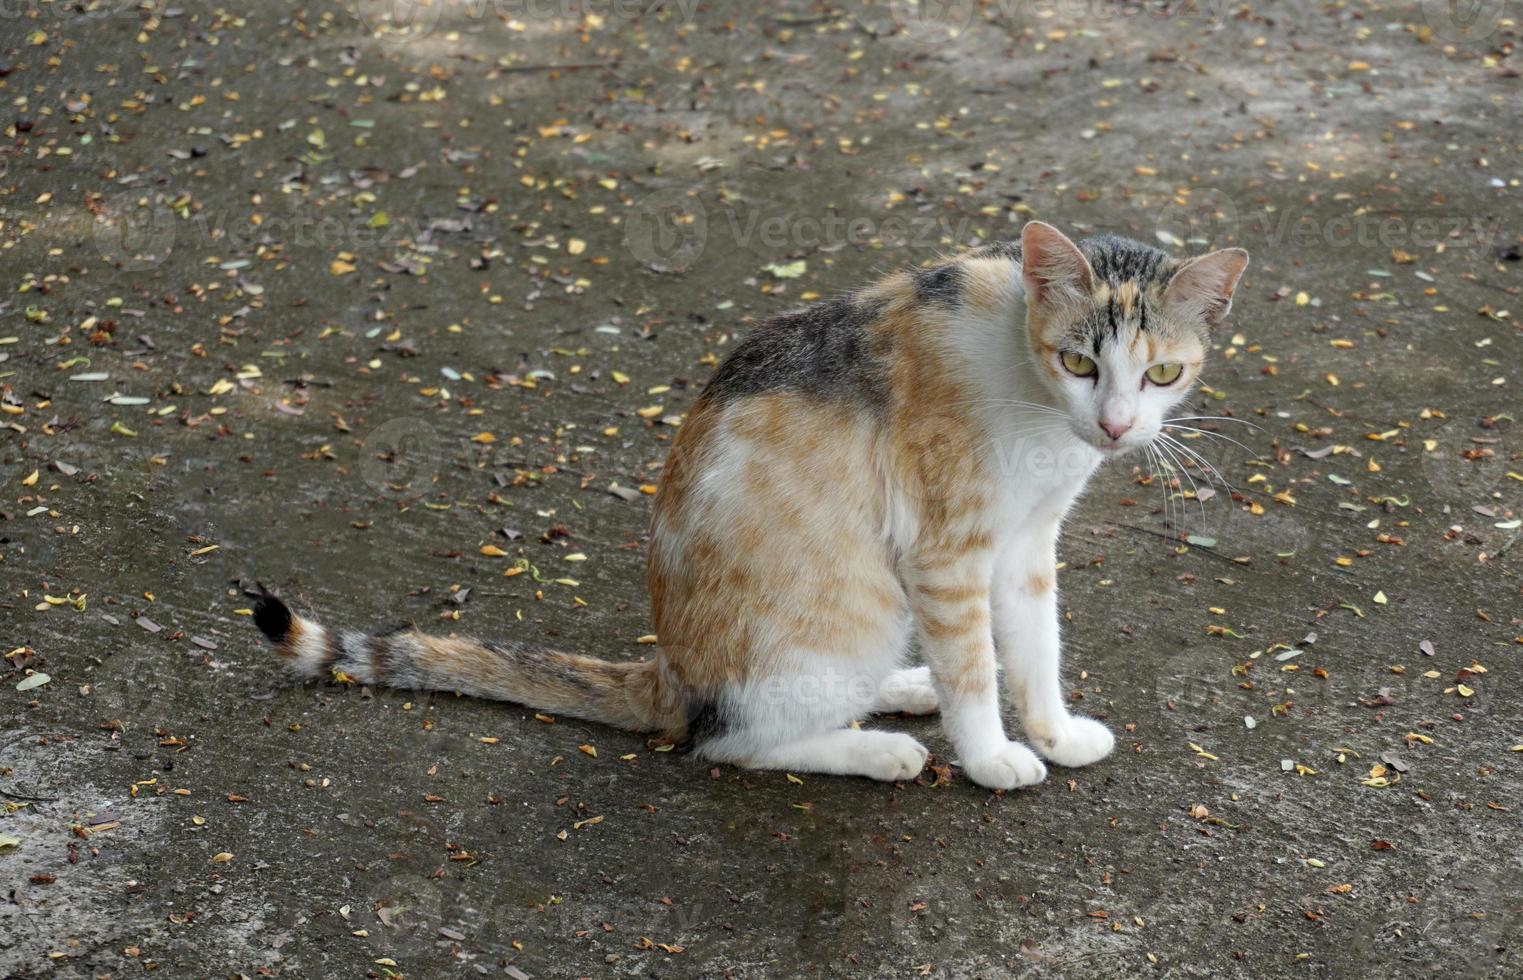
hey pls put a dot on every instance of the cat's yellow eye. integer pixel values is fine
(1165, 374)
(1079, 365)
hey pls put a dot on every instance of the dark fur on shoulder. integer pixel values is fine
(823, 351)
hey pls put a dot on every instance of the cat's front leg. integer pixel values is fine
(948, 587)
(1026, 629)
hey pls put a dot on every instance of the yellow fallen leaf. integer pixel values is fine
(338, 267)
(222, 857)
(1202, 752)
(492, 551)
(588, 750)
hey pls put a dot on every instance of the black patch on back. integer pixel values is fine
(822, 350)
(272, 617)
(942, 284)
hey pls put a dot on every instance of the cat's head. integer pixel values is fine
(1119, 329)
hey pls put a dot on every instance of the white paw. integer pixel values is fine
(1077, 742)
(908, 692)
(892, 757)
(1006, 768)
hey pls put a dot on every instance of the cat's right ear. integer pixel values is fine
(1054, 269)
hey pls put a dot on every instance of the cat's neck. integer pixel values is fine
(1030, 436)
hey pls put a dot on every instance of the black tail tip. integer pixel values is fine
(272, 617)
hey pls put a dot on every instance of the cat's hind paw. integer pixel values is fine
(907, 692)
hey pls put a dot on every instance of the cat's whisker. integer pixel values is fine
(1206, 465)
(1159, 474)
(1153, 465)
(1213, 435)
(1216, 418)
(1194, 487)
(1210, 471)
(1017, 403)
(1179, 468)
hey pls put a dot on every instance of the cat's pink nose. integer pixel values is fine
(1115, 429)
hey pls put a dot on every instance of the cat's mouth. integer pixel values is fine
(1109, 448)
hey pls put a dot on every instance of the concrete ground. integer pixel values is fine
(337, 297)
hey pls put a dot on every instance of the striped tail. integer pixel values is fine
(628, 695)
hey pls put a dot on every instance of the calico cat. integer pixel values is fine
(891, 465)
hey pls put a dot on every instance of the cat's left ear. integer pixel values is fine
(1201, 290)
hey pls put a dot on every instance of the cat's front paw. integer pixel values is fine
(1076, 742)
(1006, 768)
